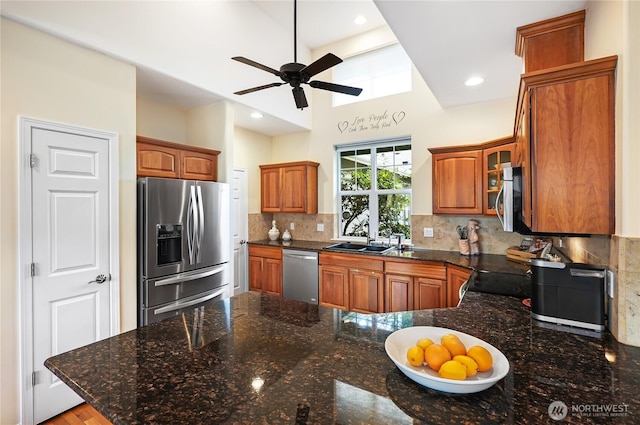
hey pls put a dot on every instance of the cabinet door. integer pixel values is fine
(273, 276)
(456, 277)
(494, 160)
(457, 183)
(334, 287)
(271, 192)
(572, 156)
(294, 184)
(255, 273)
(398, 293)
(157, 161)
(429, 293)
(198, 165)
(523, 157)
(366, 291)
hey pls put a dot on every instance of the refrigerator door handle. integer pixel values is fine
(178, 305)
(188, 277)
(192, 225)
(201, 224)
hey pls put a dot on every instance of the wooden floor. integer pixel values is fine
(79, 415)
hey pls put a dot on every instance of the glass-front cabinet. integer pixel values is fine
(495, 159)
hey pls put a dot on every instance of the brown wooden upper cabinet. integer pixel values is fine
(457, 180)
(159, 158)
(494, 159)
(565, 126)
(289, 187)
(553, 42)
(466, 179)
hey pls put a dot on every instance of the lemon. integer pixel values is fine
(469, 363)
(435, 355)
(453, 370)
(424, 343)
(454, 345)
(415, 356)
(482, 356)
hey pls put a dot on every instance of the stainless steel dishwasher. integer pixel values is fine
(300, 275)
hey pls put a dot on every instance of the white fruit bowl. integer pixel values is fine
(400, 341)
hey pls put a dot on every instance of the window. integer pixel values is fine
(375, 189)
(379, 73)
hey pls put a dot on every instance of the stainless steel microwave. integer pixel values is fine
(509, 202)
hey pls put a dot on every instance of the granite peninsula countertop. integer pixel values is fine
(492, 263)
(259, 359)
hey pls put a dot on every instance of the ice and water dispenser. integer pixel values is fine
(572, 294)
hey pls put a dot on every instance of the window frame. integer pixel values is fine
(373, 192)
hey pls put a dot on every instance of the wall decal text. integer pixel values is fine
(372, 122)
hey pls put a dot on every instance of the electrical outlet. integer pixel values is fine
(292, 226)
(428, 232)
(320, 227)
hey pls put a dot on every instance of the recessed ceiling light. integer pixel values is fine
(474, 81)
(256, 115)
(360, 20)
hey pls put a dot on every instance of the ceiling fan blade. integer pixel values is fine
(256, 64)
(353, 91)
(325, 62)
(299, 97)
(251, 90)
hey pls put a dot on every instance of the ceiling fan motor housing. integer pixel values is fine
(290, 73)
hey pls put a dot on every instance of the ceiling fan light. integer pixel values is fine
(360, 20)
(474, 81)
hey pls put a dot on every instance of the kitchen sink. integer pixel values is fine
(355, 247)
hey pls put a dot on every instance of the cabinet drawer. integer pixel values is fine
(352, 261)
(265, 251)
(435, 271)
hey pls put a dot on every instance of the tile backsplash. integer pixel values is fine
(492, 239)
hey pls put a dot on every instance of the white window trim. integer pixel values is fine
(373, 211)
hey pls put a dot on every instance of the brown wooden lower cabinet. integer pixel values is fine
(456, 277)
(366, 291)
(265, 269)
(334, 286)
(429, 293)
(413, 285)
(351, 282)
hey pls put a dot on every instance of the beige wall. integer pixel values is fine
(160, 121)
(251, 149)
(46, 78)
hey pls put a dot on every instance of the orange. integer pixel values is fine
(435, 355)
(424, 343)
(468, 363)
(482, 356)
(453, 370)
(415, 356)
(454, 345)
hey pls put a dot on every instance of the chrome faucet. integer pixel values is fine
(399, 236)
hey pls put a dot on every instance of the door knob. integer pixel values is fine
(99, 279)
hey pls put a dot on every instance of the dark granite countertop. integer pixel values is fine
(492, 263)
(257, 359)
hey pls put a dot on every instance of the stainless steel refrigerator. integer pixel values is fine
(183, 246)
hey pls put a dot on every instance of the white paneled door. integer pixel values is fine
(71, 255)
(240, 231)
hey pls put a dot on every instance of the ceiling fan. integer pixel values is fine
(296, 73)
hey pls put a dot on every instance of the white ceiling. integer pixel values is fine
(178, 46)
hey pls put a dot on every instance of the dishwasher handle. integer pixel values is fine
(301, 257)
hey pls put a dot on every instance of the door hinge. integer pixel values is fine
(33, 269)
(34, 378)
(33, 160)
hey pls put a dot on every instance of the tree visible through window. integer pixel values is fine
(375, 189)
